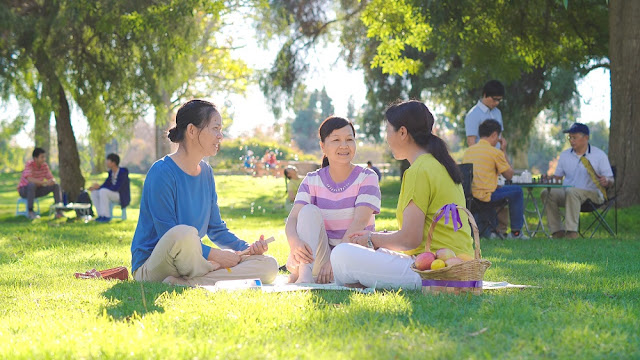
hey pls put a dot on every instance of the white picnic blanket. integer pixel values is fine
(281, 285)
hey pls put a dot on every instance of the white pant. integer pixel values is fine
(380, 268)
(311, 230)
(102, 199)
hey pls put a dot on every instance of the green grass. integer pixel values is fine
(587, 306)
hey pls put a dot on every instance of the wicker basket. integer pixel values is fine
(460, 278)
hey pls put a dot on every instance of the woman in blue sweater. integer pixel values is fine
(179, 206)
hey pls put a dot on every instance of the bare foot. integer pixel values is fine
(305, 272)
(292, 278)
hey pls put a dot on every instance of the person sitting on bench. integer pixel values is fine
(37, 181)
(115, 189)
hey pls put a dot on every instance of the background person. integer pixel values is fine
(37, 181)
(293, 183)
(115, 189)
(331, 204)
(487, 108)
(179, 206)
(489, 162)
(571, 166)
(383, 259)
(375, 169)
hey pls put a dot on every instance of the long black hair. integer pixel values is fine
(418, 120)
(196, 112)
(326, 128)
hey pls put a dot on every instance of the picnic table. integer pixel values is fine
(537, 210)
(82, 209)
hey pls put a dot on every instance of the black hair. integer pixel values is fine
(493, 88)
(488, 127)
(326, 128)
(369, 163)
(114, 158)
(418, 120)
(37, 151)
(196, 112)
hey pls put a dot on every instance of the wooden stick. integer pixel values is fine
(246, 251)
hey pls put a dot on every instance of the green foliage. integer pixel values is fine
(444, 52)
(586, 306)
(12, 158)
(469, 42)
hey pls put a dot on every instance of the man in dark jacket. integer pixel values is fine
(115, 189)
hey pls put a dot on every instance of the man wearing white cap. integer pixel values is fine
(587, 169)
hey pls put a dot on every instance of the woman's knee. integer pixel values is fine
(342, 253)
(309, 212)
(182, 235)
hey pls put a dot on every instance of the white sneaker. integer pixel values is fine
(33, 216)
(520, 236)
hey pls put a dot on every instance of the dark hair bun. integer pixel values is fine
(175, 135)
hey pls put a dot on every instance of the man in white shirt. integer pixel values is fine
(572, 168)
(486, 108)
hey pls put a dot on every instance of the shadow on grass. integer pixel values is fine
(130, 298)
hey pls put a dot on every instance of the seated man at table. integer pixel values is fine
(587, 170)
(37, 181)
(115, 189)
(488, 162)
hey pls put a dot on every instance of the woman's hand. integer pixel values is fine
(360, 237)
(301, 251)
(325, 275)
(226, 258)
(259, 247)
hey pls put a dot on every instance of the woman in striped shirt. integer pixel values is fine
(331, 204)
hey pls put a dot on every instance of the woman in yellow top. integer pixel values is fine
(383, 259)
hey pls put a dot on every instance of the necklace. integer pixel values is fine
(336, 190)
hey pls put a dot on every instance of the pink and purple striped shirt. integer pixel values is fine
(338, 202)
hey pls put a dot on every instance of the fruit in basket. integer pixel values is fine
(453, 261)
(437, 264)
(424, 260)
(465, 257)
(444, 254)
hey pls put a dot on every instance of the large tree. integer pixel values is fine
(82, 49)
(624, 51)
(444, 51)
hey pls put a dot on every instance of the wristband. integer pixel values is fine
(369, 242)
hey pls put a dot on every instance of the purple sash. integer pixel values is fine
(452, 283)
(455, 216)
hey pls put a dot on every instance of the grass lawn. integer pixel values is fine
(587, 306)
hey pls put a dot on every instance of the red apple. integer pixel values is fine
(444, 254)
(424, 260)
(452, 261)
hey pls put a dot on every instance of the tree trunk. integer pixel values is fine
(42, 114)
(165, 119)
(624, 48)
(99, 156)
(71, 179)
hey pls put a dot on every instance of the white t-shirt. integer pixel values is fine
(574, 172)
(479, 113)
